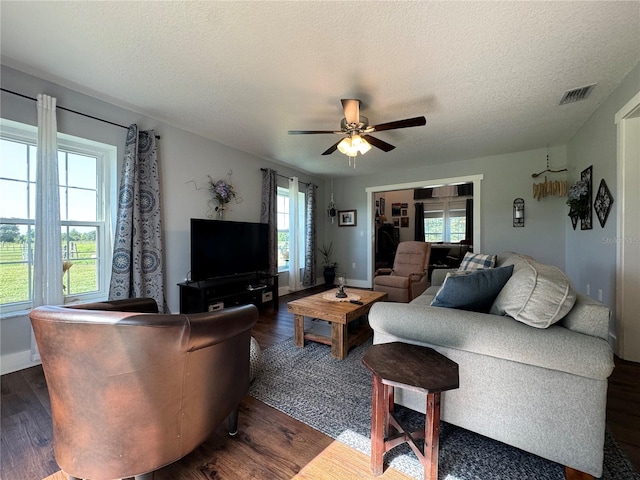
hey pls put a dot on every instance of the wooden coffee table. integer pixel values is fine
(339, 314)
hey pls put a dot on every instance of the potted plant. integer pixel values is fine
(329, 265)
(578, 200)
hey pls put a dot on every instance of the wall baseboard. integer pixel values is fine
(350, 283)
(358, 283)
(12, 362)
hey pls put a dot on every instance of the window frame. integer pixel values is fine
(445, 205)
(284, 193)
(106, 166)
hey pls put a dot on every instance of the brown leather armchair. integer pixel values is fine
(132, 392)
(409, 276)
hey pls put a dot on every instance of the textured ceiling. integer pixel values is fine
(487, 75)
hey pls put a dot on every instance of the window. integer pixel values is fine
(283, 214)
(445, 220)
(282, 209)
(86, 175)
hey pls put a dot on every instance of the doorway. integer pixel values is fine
(371, 210)
(628, 232)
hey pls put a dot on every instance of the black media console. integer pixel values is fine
(216, 293)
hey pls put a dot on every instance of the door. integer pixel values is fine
(628, 232)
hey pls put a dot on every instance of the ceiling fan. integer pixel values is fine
(357, 130)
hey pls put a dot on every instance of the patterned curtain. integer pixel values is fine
(309, 277)
(47, 262)
(268, 214)
(419, 227)
(137, 269)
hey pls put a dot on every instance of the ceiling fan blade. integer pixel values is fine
(351, 109)
(376, 142)
(408, 122)
(309, 132)
(332, 148)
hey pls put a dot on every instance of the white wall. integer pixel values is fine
(183, 157)
(506, 177)
(591, 254)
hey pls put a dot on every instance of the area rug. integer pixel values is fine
(334, 396)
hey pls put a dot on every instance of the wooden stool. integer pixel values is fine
(411, 367)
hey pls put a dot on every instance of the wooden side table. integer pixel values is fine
(416, 368)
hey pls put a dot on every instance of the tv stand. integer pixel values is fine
(213, 294)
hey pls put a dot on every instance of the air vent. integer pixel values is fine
(576, 94)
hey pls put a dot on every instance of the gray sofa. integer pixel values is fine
(533, 371)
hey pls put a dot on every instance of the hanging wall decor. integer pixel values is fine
(586, 222)
(578, 201)
(549, 187)
(603, 203)
(574, 221)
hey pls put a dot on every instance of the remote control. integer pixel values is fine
(357, 302)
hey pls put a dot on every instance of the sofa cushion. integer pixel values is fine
(473, 290)
(536, 294)
(475, 261)
(588, 316)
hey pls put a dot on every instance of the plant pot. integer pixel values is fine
(329, 275)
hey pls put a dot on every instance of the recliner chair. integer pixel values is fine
(409, 276)
(132, 392)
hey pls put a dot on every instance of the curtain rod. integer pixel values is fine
(69, 110)
(289, 178)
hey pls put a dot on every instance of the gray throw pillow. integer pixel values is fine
(472, 290)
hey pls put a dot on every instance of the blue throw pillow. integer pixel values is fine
(473, 290)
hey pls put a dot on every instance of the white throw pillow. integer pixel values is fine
(538, 295)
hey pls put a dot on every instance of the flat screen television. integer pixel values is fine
(221, 248)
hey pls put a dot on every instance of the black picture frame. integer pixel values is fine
(586, 175)
(347, 218)
(603, 202)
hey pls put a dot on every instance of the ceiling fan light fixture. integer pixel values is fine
(350, 146)
(345, 146)
(360, 144)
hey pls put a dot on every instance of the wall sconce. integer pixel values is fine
(518, 212)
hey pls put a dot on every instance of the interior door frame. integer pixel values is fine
(627, 335)
(477, 223)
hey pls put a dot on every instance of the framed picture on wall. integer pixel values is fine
(404, 212)
(347, 218)
(395, 209)
(587, 176)
(382, 205)
(404, 222)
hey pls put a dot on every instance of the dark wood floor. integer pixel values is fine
(269, 445)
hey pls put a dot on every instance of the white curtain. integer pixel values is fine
(47, 268)
(295, 236)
